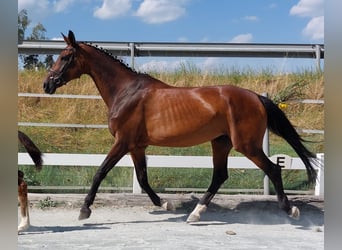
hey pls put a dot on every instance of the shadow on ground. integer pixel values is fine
(263, 212)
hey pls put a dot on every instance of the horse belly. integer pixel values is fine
(185, 135)
(183, 141)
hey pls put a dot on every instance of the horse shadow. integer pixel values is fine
(260, 212)
(62, 229)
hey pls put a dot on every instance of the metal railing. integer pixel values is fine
(148, 49)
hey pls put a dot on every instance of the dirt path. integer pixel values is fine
(126, 221)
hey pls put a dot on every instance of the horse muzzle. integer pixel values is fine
(49, 87)
(52, 83)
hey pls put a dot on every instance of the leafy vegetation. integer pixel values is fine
(47, 203)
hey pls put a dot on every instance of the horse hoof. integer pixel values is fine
(168, 206)
(84, 213)
(193, 218)
(294, 213)
(196, 213)
(23, 228)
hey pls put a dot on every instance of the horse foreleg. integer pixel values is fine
(24, 208)
(221, 147)
(139, 160)
(116, 153)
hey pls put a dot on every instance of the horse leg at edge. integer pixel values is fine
(273, 171)
(139, 159)
(23, 201)
(114, 155)
(221, 147)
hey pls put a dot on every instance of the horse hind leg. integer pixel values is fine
(23, 201)
(273, 171)
(221, 147)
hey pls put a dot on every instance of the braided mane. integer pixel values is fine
(107, 53)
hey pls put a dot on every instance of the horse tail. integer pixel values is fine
(279, 124)
(31, 149)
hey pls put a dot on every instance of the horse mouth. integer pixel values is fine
(49, 87)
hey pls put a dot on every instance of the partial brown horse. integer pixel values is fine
(36, 156)
(145, 111)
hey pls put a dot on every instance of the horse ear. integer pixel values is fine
(65, 38)
(71, 38)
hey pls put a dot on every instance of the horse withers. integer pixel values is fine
(145, 111)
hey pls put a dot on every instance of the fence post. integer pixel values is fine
(318, 57)
(136, 186)
(132, 48)
(266, 149)
(319, 187)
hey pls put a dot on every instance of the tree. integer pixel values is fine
(33, 61)
(49, 61)
(23, 22)
(38, 33)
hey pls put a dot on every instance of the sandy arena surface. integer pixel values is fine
(127, 221)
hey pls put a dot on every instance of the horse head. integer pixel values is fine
(66, 68)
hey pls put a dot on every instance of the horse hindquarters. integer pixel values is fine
(247, 125)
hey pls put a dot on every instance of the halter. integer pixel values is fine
(57, 77)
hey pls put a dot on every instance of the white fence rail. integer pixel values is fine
(164, 161)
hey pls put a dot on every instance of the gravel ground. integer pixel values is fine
(127, 221)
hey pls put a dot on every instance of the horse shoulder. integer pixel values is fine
(127, 110)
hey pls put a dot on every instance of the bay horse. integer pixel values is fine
(36, 157)
(145, 111)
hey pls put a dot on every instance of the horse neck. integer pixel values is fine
(110, 75)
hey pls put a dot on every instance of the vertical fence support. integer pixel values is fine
(136, 186)
(132, 48)
(318, 57)
(266, 149)
(319, 187)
